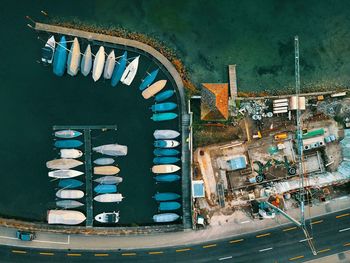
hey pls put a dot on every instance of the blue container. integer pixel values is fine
(119, 69)
(165, 160)
(167, 178)
(166, 196)
(165, 152)
(168, 206)
(69, 183)
(68, 143)
(60, 58)
(164, 95)
(160, 107)
(105, 188)
(149, 79)
(164, 116)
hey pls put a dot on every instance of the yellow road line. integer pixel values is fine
(101, 255)
(324, 250)
(289, 229)
(316, 222)
(236, 241)
(295, 258)
(208, 246)
(346, 244)
(19, 251)
(263, 235)
(46, 253)
(340, 216)
(182, 250)
(155, 252)
(73, 255)
(128, 254)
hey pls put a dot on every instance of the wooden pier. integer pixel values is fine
(233, 86)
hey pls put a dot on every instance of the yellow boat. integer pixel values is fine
(154, 89)
(106, 170)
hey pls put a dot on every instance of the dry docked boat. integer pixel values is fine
(165, 168)
(165, 134)
(109, 198)
(154, 89)
(63, 164)
(86, 62)
(130, 72)
(106, 170)
(109, 66)
(70, 194)
(74, 56)
(67, 134)
(98, 64)
(64, 173)
(71, 153)
(110, 218)
(65, 217)
(49, 50)
(109, 180)
(112, 149)
(67, 204)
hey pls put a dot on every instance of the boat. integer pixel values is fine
(166, 143)
(60, 58)
(168, 206)
(86, 61)
(165, 168)
(154, 89)
(109, 180)
(119, 69)
(65, 174)
(109, 66)
(149, 79)
(163, 116)
(74, 57)
(167, 178)
(165, 160)
(65, 217)
(109, 198)
(109, 218)
(71, 153)
(106, 170)
(104, 161)
(164, 95)
(130, 72)
(67, 204)
(67, 134)
(69, 194)
(48, 51)
(166, 196)
(166, 217)
(68, 143)
(69, 183)
(63, 164)
(165, 152)
(112, 149)
(160, 107)
(105, 188)
(98, 64)
(165, 134)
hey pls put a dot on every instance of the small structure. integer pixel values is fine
(293, 104)
(214, 101)
(237, 163)
(198, 188)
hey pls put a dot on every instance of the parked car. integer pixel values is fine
(25, 236)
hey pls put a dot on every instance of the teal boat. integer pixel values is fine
(166, 196)
(165, 152)
(105, 188)
(168, 206)
(159, 107)
(165, 160)
(69, 183)
(167, 178)
(164, 116)
(119, 69)
(60, 58)
(68, 143)
(164, 95)
(149, 79)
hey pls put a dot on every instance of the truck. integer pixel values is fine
(281, 136)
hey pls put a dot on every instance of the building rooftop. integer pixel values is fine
(214, 101)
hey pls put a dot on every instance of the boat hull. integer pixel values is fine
(63, 174)
(165, 160)
(109, 66)
(165, 218)
(67, 134)
(98, 64)
(130, 72)
(112, 149)
(86, 62)
(69, 183)
(49, 50)
(106, 170)
(60, 58)
(105, 188)
(164, 116)
(104, 161)
(109, 218)
(166, 143)
(109, 180)
(165, 134)
(119, 69)
(169, 206)
(154, 89)
(68, 143)
(161, 107)
(165, 168)
(167, 178)
(70, 194)
(164, 95)
(68, 204)
(74, 57)
(64, 217)
(63, 164)
(70, 153)
(166, 196)
(149, 79)
(165, 152)
(109, 198)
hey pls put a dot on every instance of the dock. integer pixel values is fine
(233, 84)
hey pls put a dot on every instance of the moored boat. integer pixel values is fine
(112, 149)
(68, 143)
(74, 57)
(166, 143)
(164, 95)
(165, 160)
(49, 50)
(68, 204)
(105, 188)
(65, 174)
(67, 134)
(154, 89)
(63, 164)
(165, 152)
(106, 170)
(86, 62)
(168, 206)
(149, 79)
(69, 183)
(165, 134)
(109, 198)
(109, 66)
(166, 106)
(69, 194)
(60, 57)
(166, 116)
(119, 69)
(165, 168)
(98, 64)
(104, 161)
(65, 217)
(166, 196)
(166, 217)
(167, 178)
(109, 218)
(70, 153)
(109, 180)
(130, 71)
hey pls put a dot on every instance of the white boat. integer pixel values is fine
(68, 204)
(106, 170)
(166, 143)
(98, 64)
(165, 168)
(130, 71)
(104, 161)
(64, 174)
(71, 153)
(154, 89)
(166, 217)
(65, 217)
(109, 66)
(74, 57)
(49, 50)
(110, 218)
(69, 194)
(112, 149)
(86, 62)
(109, 198)
(63, 164)
(165, 134)
(109, 180)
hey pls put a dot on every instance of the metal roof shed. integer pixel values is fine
(237, 163)
(198, 188)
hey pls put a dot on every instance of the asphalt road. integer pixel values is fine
(331, 234)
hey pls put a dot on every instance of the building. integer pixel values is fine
(214, 101)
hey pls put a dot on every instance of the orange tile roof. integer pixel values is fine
(214, 101)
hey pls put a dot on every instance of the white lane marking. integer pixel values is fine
(42, 241)
(306, 239)
(245, 222)
(265, 249)
(344, 229)
(225, 258)
(9, 237)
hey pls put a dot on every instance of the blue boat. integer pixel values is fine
(68, 143)
(163, 106)
(149, 79)
(167, 178)
(164, 116)
(69, 183)
(60, 58)
(166, 196)
(168, 206)
(165, 152)
(164, 95)
(105, 188)
(165, 160)
(119, 69)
